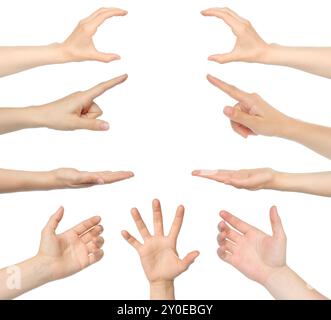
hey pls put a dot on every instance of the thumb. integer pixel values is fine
(223, 58)
(189, 259)
(55, 219)
(92, 124)
(276, 223)
(238, 116)
(90, 178)
(106, 57)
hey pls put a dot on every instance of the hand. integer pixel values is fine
(249, 47)
(78, 111)
(251, 251)
(72, 251)
(252, 115)
(80, 47)
(158, 254)
(255, 179)
(72, 178)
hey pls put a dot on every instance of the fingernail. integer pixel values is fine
(104, 126)
(228, 111)
(116, 57)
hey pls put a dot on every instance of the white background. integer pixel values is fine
(165, 122)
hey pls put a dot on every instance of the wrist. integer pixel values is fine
(272, 274)
(275, 275)
(270, 53)
(56, 181)
(288, 128)
(35, 116)
(162, 290)
(265, 52)
(59, 53)
(42, 270)
(278, 181)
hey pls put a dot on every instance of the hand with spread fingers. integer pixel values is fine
(158, 253)
(79, 46)
(250, 47)
(254, 116)
(76, 111)
(260, 257)
(59, 256)
(64, 178)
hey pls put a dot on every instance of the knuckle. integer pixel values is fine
(255, 96)
(247, 23)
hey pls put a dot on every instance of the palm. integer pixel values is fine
(249, 44)
(257, 253)
(251, 251)
(254, 179)
(251, 179)
(68, 252)
(73, 250)
(159, 259)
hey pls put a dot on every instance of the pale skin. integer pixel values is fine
(251, 47)
(158, 252)
(261, 257)
(79, 46)
(77, 111)
(63, 178)
(316, 183)
(251, 116)
(59, 256)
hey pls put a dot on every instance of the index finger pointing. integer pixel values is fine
(230, 90)
(101, 88)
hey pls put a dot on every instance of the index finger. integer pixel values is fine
(141, 226)
(86, 225)
(230, 90)
(97, 20)
(229, 19)
(235, 222)
(101, 88)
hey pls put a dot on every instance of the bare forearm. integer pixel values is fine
(318, 183)
(285, 284)
(313, 60)
(162, 291)
(17, 59)
(314, 137)
(14, 119)
(21, 278)
(16, 181)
